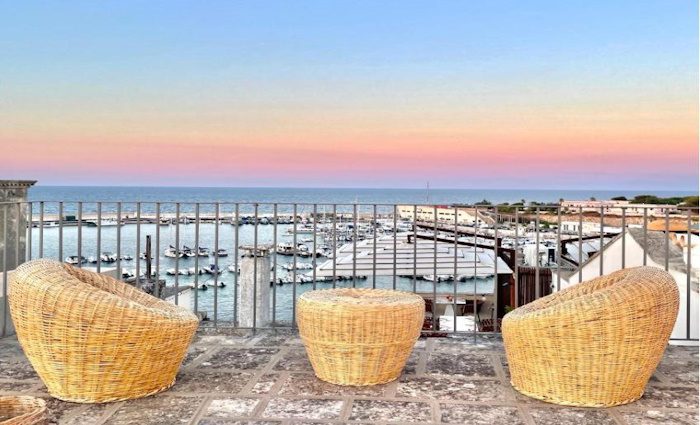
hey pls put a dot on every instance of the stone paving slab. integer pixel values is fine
(237, 377)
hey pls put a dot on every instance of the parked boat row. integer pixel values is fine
(105, 257)
(187, 252)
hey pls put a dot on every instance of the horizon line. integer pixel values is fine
(368, 188)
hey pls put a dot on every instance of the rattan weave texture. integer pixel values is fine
(594, 344)
(22, 410)
(359, 336)
(92, 338)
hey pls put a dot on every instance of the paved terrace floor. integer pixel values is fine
(234, 378)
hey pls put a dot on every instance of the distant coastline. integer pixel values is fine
(326, 195)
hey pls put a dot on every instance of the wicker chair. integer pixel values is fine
(92, 338)
(359, 336)
(594, 344)
(22, 410)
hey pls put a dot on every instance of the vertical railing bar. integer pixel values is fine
(137, 256)
(515, 260)
(624, 231)
(235, 264)
(495, 270)
(415, 247)
(60, 231)
(216, 263)
(559, 248)
(393, 282)
(19, 232)
(602, 240)
(435, 274)
(456, 277)
(5, 282)
(120, 273)
(537, 253)
(476, 226)
(314, 255)
(156, 252)
(255, 266)
(580, 243)
(80, 234)
(30, 240)
(644, 257)
(197, 222)
(335, 244)
(688, 273)
(177, 253)
(354, 244)
(274, 263)
(99, 237)
(667, 243)
(294, 265)
(374, 246)
(41, 229)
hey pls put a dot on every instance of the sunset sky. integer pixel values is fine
(464, 94)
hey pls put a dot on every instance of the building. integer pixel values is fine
(653, 245)
(445, 214)
(611, 207)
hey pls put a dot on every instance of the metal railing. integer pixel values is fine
(471, 263)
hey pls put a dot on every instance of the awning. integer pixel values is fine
(423, 258)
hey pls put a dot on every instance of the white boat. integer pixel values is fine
(171, 272)
(172, 252)
(187, 251)
(108, 257)
(231, 268)
(127, 257)
(298, 266)
(221, 253)
(202, 252)
(440, 278)
(218, 284)
(165, 222)
(102, 223)
(75, 260)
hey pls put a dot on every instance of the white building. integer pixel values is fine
(445, 214)
(634, 253)
(616, 208)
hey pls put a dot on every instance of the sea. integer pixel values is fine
(218, 304)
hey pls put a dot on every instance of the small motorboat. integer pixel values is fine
(171, 272)
(127, 257)
(202, 252)
(75, 260)
(221, 253)
(212, 269)
(187, 251)
(108, 257)
(172, 252)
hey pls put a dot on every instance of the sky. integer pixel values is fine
(592, 94)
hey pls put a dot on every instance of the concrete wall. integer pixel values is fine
(634, 257)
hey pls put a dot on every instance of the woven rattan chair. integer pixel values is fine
(92, 338)
(22, 410)
(594, 344)
(359, 336)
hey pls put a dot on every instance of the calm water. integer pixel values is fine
(324, 197)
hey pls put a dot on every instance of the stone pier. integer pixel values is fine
(254, 287)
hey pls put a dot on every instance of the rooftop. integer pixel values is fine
(237, 377)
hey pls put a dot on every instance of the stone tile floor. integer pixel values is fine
(264, 378)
